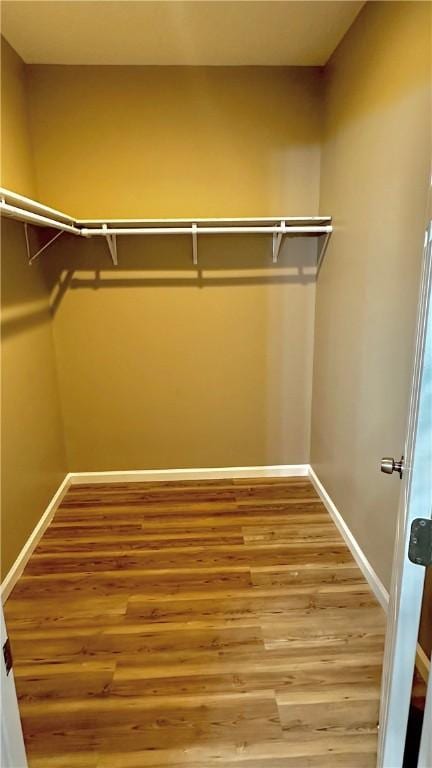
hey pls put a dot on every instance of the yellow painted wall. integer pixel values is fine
(163, 367)
(374, 180)
(176, 141)
(33, 461)
(159, 365)
(16, 163)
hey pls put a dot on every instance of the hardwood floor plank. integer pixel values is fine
(181, 521)
(64, 759)
(263, 604)
(304, 531)
(117, 582)
(138, 647)
(307, 573)
(59, 680)
(227, 512)
(351, 710)
(118, 543)
(346, 752)
(178, 720)
(271, 554)
(248, 675)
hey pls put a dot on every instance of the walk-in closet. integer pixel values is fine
(216, 374)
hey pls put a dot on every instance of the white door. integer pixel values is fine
(408, 578)
(12, 743)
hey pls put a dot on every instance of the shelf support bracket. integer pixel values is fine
(277, 242)
(194, 244)
(32, 256)
(322, 251)
(112, 244)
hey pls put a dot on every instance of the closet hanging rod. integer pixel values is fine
(36, 218)
(25, 209)
(300, 220)
(26, 203)
(230, 230)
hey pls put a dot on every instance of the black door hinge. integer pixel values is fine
(7, 655)
(420, 543)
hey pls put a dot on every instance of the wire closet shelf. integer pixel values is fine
(32, 212)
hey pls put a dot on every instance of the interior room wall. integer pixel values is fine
(33, 460)
(374, 180)
(176, 141)
(164, 367)
(162, 364)
(16, 166)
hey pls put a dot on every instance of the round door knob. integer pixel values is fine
(389, 465)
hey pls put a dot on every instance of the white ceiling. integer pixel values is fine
(177, 33)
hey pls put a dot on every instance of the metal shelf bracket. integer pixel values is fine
(195, 244)
(277, 242)
(112, 244)
(322, 251)
(32, 256)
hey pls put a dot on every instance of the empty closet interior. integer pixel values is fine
(268, 321)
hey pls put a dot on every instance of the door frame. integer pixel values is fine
(13, 754)
(415, 502)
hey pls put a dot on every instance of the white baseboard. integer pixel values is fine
(359, 556)
(20, 563)
(209, 473)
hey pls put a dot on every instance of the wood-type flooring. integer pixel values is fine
(196, 624)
